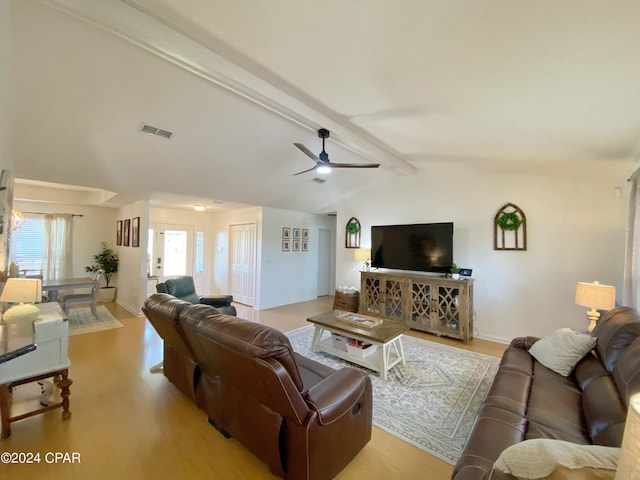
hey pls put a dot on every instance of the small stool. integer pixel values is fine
(63, 384)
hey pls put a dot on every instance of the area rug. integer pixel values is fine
(82, 321)
(431, 402)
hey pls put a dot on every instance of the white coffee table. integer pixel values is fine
(387, 338)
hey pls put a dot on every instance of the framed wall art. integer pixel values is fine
(126, 232)
(286, 233)
(119, 232)
(295, 246)
(305, 234)
(305, 246)
(296, 233)
(286, 246)
(135, 232)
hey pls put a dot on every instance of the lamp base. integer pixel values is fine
(25, 312)
(593, 316)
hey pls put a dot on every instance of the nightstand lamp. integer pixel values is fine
(25, 292)
(596, 297)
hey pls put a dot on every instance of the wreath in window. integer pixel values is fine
(509, 221)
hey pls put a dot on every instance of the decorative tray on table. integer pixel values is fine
(359, 319)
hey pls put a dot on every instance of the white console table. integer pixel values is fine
(50, 358)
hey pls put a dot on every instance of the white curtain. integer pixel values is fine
(631, 287)
(58, 251)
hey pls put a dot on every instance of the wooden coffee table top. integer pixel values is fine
(387, 331)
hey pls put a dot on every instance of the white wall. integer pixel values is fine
(288, 277)
(6, 159)
(132, 269)
(576, 232)
(281, 277)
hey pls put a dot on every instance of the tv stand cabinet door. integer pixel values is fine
(441, 306)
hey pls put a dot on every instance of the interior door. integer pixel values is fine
(243, 263)
(324, 262)
(174, 251)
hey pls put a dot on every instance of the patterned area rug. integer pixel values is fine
(81, 320)
(432, 401)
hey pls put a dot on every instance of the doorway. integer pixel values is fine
(326, 262)
(174, 252)
(243, 263)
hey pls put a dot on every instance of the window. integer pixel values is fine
(42, 246)
(27, 246)
(199, 253)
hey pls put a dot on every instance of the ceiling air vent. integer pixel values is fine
(319, 180)
(156, 131)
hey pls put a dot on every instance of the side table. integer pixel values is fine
(50, 334)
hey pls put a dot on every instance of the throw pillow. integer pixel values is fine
(561, 350)
(556, 459)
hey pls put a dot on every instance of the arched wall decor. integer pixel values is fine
(352, 233)
(510, 228)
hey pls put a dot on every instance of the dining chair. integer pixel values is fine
(83, 298)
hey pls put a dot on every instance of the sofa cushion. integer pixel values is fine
(604, 412)
(561, 350)
(615, 331)
(554, 409)
(556, 459)
(626, 373)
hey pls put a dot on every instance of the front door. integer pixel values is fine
(174, 251)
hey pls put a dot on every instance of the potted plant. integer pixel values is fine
(106, 261)
(455, 271)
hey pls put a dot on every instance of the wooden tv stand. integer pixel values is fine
(429, 303)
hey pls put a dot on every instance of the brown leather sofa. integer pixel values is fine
(528, 400)
(303, 419)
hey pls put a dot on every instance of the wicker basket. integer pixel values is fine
(347, 302)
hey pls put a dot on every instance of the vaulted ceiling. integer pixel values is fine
(531, 87)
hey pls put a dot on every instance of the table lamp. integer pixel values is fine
(363, 255)
(628, 465)
(595, 296)
(24, 291)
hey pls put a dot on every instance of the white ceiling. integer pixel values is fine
(534, 87)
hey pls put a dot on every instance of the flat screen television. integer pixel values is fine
(424, 247)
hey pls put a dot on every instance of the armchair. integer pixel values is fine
(184, 289)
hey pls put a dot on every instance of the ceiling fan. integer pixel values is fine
(323, 165)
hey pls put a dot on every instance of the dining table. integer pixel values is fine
(53, 286)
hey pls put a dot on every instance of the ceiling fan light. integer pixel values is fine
(323, 169)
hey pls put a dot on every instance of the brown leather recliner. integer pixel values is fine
(179, 363)
(303, 419)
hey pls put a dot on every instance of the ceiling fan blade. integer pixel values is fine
(307, 152)
(354, 165)
(304, 171)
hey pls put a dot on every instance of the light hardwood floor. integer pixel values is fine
(128, 423)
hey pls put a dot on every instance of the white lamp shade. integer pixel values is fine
(596, 296)
(362, 254)
(628, 464)
(24, 291)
